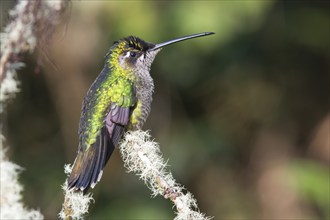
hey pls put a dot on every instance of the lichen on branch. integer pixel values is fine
(11, 201)
(142, 156)
(30, 23)
(75, 205)
(26, 27)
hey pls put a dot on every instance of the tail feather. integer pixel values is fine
(101, 159)
(88, 166)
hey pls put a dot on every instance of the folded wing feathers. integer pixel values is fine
(88, 166)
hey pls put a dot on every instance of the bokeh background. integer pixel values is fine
(242, 116)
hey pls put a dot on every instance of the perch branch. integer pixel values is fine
(142, 156)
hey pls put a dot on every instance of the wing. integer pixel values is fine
(101, 128)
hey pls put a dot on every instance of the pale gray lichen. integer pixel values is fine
(142, 156)
(11, 205)
(75, 205)
(20, 36)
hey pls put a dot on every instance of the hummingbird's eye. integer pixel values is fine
(132, 54)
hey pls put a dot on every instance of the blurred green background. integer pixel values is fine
(242, 116)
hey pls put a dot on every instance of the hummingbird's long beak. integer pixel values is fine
(160, 45)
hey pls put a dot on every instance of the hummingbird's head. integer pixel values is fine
(133, 54)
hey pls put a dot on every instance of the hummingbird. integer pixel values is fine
(118, 100)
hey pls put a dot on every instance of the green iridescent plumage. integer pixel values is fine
(119, 99)
(110, 107)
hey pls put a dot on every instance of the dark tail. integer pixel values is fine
(88, 167)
